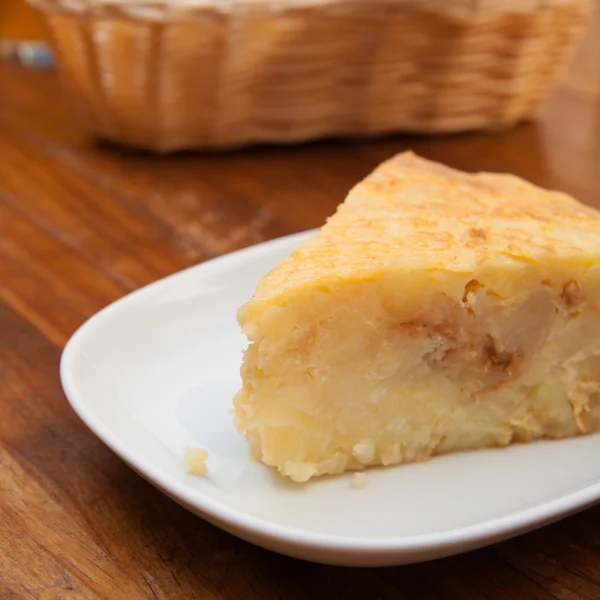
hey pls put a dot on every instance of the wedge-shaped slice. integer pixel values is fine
(435, 311)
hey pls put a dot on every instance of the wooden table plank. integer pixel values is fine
(81, 224)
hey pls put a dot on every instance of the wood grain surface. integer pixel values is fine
(82, 224)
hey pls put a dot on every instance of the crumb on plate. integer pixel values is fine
(359, 480)
(195, 461)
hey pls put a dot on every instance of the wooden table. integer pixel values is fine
(83, 224)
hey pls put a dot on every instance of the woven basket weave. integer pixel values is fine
(172, 74)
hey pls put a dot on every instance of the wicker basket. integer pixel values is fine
(173, 74)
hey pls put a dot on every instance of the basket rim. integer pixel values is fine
(165, 9)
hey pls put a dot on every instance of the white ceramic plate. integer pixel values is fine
(157, 370)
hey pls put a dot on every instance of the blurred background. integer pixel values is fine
(21, 35)
(18, 21)
(167, 76)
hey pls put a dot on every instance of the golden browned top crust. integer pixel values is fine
(414, 214)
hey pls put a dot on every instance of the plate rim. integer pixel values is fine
(470, 536)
